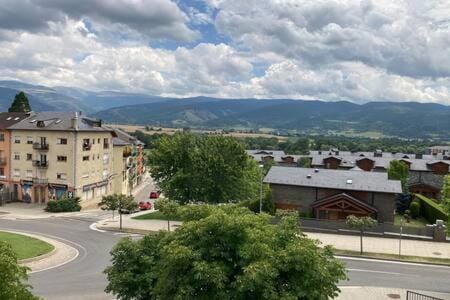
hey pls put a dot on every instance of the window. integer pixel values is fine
(86, 158)
(62, 141)
(16, 156)
(30, 140)
(93, 157)
(62, 176)
(29, 156)
(86, 145)
(29, 173)
(17, 139)
(2, 171)
(16, 172)
(98, 140)
(61, 158)
(105, 159)
(2, 137)
(105, 174)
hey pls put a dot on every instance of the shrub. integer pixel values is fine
(414, 208)
(431, 210)
(268, 205)
(63, 205)
(193, 212)
(402, 202)
(308, 214)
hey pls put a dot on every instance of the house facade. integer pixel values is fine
(334, 194)
(60, 153)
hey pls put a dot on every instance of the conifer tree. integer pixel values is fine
(20, 103)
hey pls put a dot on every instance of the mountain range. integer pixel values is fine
(402, 119)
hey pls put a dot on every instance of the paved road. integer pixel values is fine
(83, 278)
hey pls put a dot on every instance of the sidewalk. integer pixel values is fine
(342, 242)
(380, 293)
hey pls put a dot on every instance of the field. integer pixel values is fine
(25, 246)
(133, 128)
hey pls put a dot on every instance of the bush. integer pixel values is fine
(402, 202)
(63, 205)
(193, 212)
(414, 208)
(308, 214)
(431, 210)
(268, 205)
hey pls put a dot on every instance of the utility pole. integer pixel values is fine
(261, 168)
(400, 240)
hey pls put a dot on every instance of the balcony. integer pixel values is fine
(3, 161)
(87, 147)
(40, 164)
(40, 180)
(106, 146)
(40, 146)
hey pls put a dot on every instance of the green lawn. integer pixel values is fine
(25, 246)
(419, 222)
(155, 215)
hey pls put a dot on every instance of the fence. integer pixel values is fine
(380, 228)
(416, 296)
(5, 197)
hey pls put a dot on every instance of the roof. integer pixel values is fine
(119, 142)
(334, 179)
(279, 156)
(8, 119)
(59, 121)
(124, 136)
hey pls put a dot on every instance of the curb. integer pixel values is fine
(127, 230)
(392, 260)
(36, 258)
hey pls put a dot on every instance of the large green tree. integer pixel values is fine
(231, 253)
(20, 103)
(202, 168)
(12, 276)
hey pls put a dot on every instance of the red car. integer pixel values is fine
(145, 205)
(154, 195)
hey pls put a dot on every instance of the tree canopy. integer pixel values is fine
(20, 103)
(199, 168)
(231, 253)
(12, 276)
(398, 170)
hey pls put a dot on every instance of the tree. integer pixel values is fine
(20, 103)
(110, 202)
(12, 276)
(200, 168)
(124, 203)
(168, 208)
(398, 170)
(361, 224)
(446, 193)
(230, 254)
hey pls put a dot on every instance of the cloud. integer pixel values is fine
(160, 19)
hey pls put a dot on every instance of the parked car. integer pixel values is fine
(154, 195)
(128, 211)
(145, 205)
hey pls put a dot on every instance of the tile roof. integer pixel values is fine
(124, 136)
(59, 121)
(8, 119)
(119, 142)
(333, 179)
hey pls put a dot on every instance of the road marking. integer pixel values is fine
(392, 262)
(93, 226)
(373, 271)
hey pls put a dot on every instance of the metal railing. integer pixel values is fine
(416, 296)
(37, 180)
(40, 146)
(40, 164)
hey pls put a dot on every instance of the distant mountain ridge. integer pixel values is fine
(403, 119)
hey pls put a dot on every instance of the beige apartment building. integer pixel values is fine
(61, 153)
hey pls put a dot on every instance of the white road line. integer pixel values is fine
(372, 271)
(93, 226)
(391, 262)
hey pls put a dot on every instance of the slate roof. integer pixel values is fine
(278, 155)
(119, 142)
(333, 179)
(59, 121)
(8, 119)
(126, 137)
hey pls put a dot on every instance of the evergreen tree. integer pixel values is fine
(20, 103)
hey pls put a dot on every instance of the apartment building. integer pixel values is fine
(121, 163)
(60, 153)
(6, 120)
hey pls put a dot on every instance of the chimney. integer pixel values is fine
(75, 121)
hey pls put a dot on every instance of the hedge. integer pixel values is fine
(430, 210)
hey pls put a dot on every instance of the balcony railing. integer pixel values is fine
(40, 180)
(106, 146)
(40, 164)
(87, 147)
(3, 161)
(40, 146)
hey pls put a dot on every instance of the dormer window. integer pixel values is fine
(40, 124)
(8, 118)
(16, 118)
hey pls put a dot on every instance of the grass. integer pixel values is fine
(25, 246)
(419, 222)
(155, 215)
(408, 258)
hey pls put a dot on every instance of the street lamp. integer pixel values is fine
(261, 169)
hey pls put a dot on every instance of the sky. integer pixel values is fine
(380, 50)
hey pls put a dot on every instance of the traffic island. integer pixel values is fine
(26, 247)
